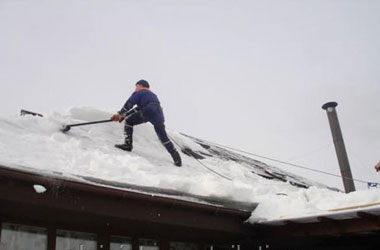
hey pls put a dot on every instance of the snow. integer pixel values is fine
(39, 189)
(28, 142)
(312, 202)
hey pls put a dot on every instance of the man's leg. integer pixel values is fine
(162, 135)
(132, 120)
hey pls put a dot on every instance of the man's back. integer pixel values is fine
(143, 97)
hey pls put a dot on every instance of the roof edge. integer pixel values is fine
(87, 184)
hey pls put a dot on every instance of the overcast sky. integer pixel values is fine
(244, 73)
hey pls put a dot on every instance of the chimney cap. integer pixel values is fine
(329, 105)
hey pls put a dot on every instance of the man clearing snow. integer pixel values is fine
(377, 167)
(148, 110)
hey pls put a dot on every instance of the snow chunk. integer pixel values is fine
(39, 189)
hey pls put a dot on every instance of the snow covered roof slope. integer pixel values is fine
(209, 173)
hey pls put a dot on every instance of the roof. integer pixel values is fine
(210, 174)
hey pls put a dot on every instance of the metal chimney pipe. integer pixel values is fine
(340, 149)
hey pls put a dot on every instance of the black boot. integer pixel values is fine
(126, 146)
(128, 132)
(176, 158)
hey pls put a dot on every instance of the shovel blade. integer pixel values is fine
(65, 128)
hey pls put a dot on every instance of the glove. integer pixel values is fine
(116, 118)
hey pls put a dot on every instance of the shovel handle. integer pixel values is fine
(88, 123)
(68, 127)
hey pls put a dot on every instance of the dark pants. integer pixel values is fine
(138, 118)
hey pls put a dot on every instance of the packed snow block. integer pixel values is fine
(27, 112)
(88, 113)
(225, 202)
(205, 146)
(191, 153)
(259, 168)
(284, 178)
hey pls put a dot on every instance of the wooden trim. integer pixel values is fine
(52, 237)
(354, 207)
(135, 243)
(325, 227)
(58, 185)
(164, 244)
(324, 219)
(103, 240)
(366, 215)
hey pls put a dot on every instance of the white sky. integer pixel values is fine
(244, 73)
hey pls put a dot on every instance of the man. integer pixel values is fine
(148, 110)
(377, 167)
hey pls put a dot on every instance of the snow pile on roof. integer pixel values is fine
(88, 153)
(314, 202)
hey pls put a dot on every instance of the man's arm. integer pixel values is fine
(119, 118)
(127, 108)
(124, 110)
(132, 101)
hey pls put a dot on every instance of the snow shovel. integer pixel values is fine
(68, 127)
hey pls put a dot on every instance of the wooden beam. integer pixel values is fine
(51, 237)
(354, 207)
(325, 226)
(326, 219)
(291, 223)
(366, 215)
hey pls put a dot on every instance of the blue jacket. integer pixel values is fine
(147, 103)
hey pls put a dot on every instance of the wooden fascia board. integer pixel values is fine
(325, 227)
(85, 198)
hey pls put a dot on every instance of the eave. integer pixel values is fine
(72, 204)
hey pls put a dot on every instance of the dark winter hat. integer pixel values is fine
(143, 83)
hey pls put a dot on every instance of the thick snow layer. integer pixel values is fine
(28, 142)
(311, 202)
